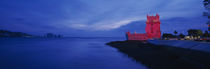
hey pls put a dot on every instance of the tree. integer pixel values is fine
(175, 32)
(206, 13)
(208, 25)
(181, 35)
(166, 35)
(206, 34)
(206, 5)
(195, 32)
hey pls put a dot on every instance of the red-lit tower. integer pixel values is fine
(152, 30)
(153, 26)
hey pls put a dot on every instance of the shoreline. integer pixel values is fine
(162, 56)
(194, 45)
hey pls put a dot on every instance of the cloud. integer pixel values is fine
(104, 25)
(109, 15)
(90, 15)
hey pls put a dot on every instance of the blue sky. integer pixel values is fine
(99, 17)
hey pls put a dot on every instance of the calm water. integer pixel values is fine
(64, 53)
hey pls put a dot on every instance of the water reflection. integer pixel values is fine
(65, 53)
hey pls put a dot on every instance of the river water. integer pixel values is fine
(63, 53)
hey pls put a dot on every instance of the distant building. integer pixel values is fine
(152, 30)
(50, 35)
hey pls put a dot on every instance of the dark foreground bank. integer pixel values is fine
(163, 57)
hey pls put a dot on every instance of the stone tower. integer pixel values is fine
(152, 30)
(153, 26)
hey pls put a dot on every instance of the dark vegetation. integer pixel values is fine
(206, 13)
(206, 3)
(163, 57)
(5, 33)
(193, 33)
(168, 35)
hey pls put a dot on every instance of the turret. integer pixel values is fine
(134, 32)
(128, 35)
(157, 15)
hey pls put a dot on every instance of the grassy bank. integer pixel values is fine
(163, 57)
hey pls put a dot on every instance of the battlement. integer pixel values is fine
(136, 36)
(152, 30)
(153, 19)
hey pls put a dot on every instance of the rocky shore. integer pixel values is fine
(163, 57)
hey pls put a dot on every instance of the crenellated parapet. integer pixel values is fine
(153, 19)
(152, 30)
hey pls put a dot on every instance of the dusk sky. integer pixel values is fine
(99, 17)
